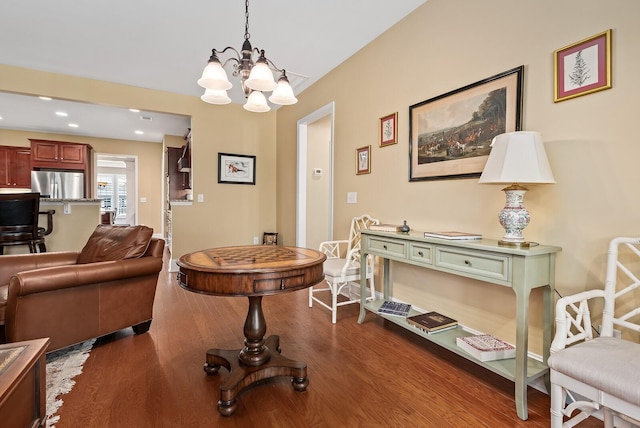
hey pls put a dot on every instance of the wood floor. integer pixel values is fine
(369, 375)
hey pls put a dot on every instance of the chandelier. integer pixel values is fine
(256, 77)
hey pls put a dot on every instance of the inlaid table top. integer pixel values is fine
(250, 270)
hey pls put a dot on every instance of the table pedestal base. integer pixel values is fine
(241, 375)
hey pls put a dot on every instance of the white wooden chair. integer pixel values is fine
(342, 268)
(600, 376)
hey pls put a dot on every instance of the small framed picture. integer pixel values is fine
(236, 169)
(270, 238)
(363, 160)
(583, 67)
(389, 130)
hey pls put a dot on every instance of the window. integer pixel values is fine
(112, 189)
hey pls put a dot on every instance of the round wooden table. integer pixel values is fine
(252, 271)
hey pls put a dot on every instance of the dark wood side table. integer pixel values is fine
(252, 272)
(23, 383)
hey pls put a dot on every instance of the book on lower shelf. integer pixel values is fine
(432, 322)
(452, 235)
(486, 347)
(386, 227)
(389, 307)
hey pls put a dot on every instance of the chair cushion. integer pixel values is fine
(333, 267)
(109, 243)
(4, 295)
(609, 364)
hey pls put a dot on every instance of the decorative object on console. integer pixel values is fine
(517, 158)
(486, 347)
(405, 227)
(583, 67)
(363, 160)
(432, 322)
(454, 236)
(458, 147)
(255, 76)
(389, 130)
(390, 307)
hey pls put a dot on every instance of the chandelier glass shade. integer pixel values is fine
(256, 76)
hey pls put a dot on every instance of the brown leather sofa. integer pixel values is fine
(74, 296)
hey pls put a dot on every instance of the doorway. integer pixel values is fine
(314, 214)
(116, 185)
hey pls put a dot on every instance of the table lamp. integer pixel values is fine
(516, 158)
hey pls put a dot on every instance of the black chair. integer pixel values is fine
(19, 214)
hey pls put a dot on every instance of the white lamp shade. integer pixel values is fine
(517, 157)
(257, 103)
(261, 78)
(213, 96)
(214, 77)
(283, 94)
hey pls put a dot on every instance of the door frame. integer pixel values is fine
(302, 172)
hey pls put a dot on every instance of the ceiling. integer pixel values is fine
(164, 45)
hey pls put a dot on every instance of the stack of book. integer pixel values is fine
(486, 347)
(455, 236)
(432, 322)
(394, 308)
(385, 227)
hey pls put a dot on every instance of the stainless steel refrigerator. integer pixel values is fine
(58, 184)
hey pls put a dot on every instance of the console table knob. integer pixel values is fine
(467, 262)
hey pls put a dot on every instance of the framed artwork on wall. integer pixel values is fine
(450, 135)
(389, 130)
(363, 160)
(236, 169)
(583, 67)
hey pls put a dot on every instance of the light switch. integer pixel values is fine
(143, 199)
(352, 197)
(200, 197)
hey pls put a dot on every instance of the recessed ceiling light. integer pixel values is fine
(73, 125)
(62, 113)
(45, 98)
(134, 110)
(140, 132)
(0, 117)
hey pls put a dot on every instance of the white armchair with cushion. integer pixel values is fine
(600, 376)
(342, 268)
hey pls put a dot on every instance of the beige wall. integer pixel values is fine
(230, 214)
(445, 45)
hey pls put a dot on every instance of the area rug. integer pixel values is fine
(62, 367)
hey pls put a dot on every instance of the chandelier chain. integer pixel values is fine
(246, 22)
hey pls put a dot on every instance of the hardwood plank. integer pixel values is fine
(374, 375)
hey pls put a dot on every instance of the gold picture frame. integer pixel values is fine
(363, 160)
(388, 129)
(583, 67)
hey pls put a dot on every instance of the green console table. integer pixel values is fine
(521, 269)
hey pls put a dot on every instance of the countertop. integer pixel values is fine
(82, 200)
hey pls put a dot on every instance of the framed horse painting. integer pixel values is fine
(450, 135)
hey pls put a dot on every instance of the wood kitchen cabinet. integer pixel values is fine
(178, 181)
(60, 155)
(15, 167)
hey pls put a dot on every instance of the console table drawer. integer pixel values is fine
(420, 253)
(477, 264)
(388, 247)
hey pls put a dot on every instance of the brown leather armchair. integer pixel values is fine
(74, 296)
